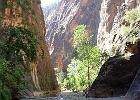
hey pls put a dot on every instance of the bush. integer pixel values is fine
(132, 16)
(17, 49)
(38, 2)
(126, 29)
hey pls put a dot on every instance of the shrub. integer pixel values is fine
(132, 16)
(17, 49)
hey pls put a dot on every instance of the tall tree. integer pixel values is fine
(87, 55)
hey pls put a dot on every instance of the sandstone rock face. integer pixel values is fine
(62, 19)
(110, 37)
(117, 74)
(104, 19)
(41, 75)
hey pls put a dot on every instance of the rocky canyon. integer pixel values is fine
(105, 20)
(28, 13)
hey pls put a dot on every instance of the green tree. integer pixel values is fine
(60, 75)
(17, 49)
(73, 77)
(89, 55)
(132, 29)
(86, 61)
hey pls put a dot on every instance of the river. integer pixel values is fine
(73, 96)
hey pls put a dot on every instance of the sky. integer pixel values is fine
(45, 3)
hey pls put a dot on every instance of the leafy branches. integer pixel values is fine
(132, 16)
(85, 65)
(17, 48)
(21, 42)
(132, 19)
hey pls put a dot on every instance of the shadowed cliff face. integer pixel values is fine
(41, 75)
(104, 19)
(62, 19)
(117, 74)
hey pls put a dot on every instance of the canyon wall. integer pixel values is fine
(118, 72)
(28, 13)
(111, 37)
(62, 19)
(105, 21)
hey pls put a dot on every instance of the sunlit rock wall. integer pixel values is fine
(40, 74)
(110, 37)
(118, 72)
(62, 19)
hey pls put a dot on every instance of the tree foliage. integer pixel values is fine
(133, 15)
(86, 61)
(79, 35)
(17, 49)
(132, 29)
(60, 75)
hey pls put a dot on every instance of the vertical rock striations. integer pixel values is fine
(118, 72)
(104, 20)
(62, 19)
(28, 13)
(110, 36)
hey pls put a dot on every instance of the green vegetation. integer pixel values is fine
(18, 2)
(86, 63)
(17, 50)
(1, 18)
(132, 16)
(4, 4)
(60, 75)
(126, 29)
(38, 2)
(32, 11)
(26, 7)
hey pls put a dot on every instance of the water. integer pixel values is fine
(73, 96)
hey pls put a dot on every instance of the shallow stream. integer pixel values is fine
(72, 96)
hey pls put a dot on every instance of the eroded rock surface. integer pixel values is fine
(40, 74)
(62, 19)
(111, 37)
(116, 74)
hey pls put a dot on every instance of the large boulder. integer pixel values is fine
(116, 74)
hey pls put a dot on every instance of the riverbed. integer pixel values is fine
(68, 95)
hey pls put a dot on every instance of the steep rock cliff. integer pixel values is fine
(107, 26)
(118, 72)
(28, 13)
(110, 36)
(62, 19)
